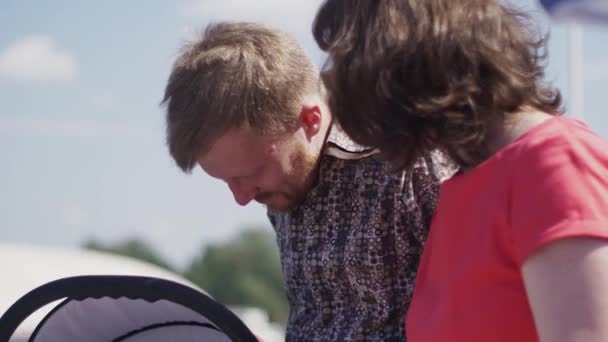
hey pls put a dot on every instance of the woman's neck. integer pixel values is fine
(507, 129)
(512, 127)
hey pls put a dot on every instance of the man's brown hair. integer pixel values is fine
(407, 76)
(236, 75)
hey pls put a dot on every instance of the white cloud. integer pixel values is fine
(293, 16)
(37, 58)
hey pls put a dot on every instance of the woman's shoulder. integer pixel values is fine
(561, 139)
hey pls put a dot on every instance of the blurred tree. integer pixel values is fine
(244, 271)
(134, 248)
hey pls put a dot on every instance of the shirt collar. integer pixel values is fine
(341, 146)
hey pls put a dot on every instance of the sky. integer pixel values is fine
(82, 142)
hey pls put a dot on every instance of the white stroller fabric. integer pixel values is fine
(129, 320)
(177, 334)
(30, 266)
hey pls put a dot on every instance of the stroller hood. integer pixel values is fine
(124, 308)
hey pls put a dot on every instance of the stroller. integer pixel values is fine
(101, 308)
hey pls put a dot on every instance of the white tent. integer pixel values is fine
(25, 267)
(100, 297)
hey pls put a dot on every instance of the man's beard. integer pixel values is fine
(300, 181)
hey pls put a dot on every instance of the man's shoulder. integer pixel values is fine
(437, 164)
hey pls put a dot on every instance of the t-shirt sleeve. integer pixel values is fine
(559, 190)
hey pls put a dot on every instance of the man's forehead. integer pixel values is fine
(234, 153)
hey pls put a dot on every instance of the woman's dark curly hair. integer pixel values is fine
(407, 76)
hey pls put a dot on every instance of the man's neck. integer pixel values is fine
(320, 148)
(320, 139)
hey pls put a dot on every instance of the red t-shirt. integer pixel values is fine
(549, 184)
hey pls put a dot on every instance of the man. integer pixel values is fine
(246, 105)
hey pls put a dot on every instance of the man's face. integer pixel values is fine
(276, 172)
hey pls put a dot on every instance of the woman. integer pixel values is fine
(518, 249)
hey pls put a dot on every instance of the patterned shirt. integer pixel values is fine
(350, 250)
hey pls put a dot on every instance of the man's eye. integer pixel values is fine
(248, 176)
(256, 173)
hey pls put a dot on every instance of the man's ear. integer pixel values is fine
(310, 120)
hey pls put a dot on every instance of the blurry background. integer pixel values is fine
(82, 155)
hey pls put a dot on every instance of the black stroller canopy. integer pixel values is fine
(124, 308)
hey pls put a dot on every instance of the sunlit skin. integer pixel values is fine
(275, 171)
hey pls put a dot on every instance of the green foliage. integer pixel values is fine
(134, 248)
(245, 271)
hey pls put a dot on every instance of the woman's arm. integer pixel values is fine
(567, 287)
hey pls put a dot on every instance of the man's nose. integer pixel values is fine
(242, 194)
